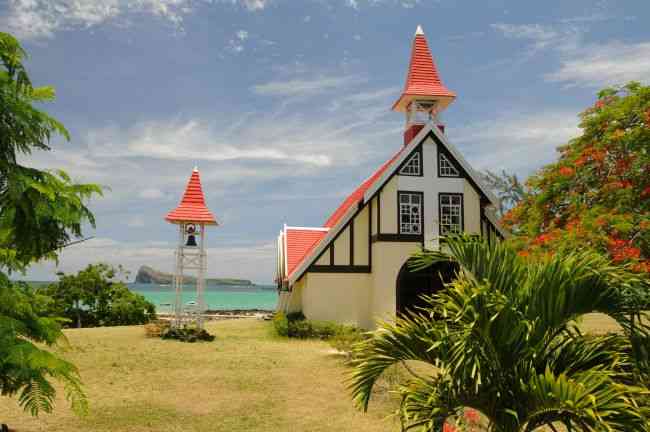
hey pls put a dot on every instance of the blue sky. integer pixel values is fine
(285, 105)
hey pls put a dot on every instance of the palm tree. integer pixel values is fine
(504, 339)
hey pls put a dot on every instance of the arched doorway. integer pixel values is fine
(411, 285)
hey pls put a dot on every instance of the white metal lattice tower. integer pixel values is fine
(192, 217)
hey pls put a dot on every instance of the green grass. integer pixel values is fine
(246, 380)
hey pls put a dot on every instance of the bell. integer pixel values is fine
(191, 240)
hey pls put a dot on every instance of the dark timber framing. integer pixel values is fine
(370, 234)
(352, 240)
(339, 269)
(405, 238)
(378, 211)
(379, 237)
(343, 268)
(442, 150)
(464, 174)
(417, 150)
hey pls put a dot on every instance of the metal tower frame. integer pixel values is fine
(193, 258)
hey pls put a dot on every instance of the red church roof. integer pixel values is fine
(192, 207)
(356, 196)
(422, 78)
(300, 241)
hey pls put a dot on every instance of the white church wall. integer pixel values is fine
(361, 246)
(387, 260)
(340, 297)
(388, 200)
(472, 209)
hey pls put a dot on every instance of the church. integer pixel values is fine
(354, 268)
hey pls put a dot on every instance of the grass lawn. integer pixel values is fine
(246, 380)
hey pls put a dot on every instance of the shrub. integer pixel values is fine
(156, 328)
(187, 334)
(296, 316)
(281, 324)
(345, 339)
(96, 297)
(295, 325)
(306, 329)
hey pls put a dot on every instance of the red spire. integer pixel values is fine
(192, 207)
(423, 81)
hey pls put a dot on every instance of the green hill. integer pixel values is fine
(149, 275)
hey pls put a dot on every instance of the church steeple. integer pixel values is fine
(424, 95)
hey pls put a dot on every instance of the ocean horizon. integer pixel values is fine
(217, 297)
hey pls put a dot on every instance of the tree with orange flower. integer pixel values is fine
(597, 195)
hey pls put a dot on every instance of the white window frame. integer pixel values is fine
(446, 167)
(405, 208)
(413, 167)
(449, 206)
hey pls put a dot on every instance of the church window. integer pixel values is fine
(451, 213)
(445, 167)
(413, 167)
(410, 212)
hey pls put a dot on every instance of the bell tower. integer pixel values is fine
(424, 95)
(192, 217)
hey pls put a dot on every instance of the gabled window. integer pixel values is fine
(450, 208)
(446, 168)
(410, 212)
(413, 166)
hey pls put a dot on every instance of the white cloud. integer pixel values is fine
(151, 194)
(242, 35)
(357, 4)
(563, 38)
(516, 142)
(256, 260)
(254, 5)
(601, 65)
(302, 87)
(135, 221)
(33, 19)
(582, 63)
(194, 140)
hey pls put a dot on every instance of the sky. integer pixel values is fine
(284, 105)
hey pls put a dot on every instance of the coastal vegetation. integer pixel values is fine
(597, 195)
(149, 275)
(503, 340)
(96, 297)
(41, 211)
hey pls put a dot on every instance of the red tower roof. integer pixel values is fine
(423, 81)
(192, 207)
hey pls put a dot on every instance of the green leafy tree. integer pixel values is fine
(597, 195)
(505, 343)
(40, 212)
(96, 297)
(25, 367)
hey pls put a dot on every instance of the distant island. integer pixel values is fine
(149, 275)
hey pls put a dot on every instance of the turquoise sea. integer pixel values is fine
(217, 297)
